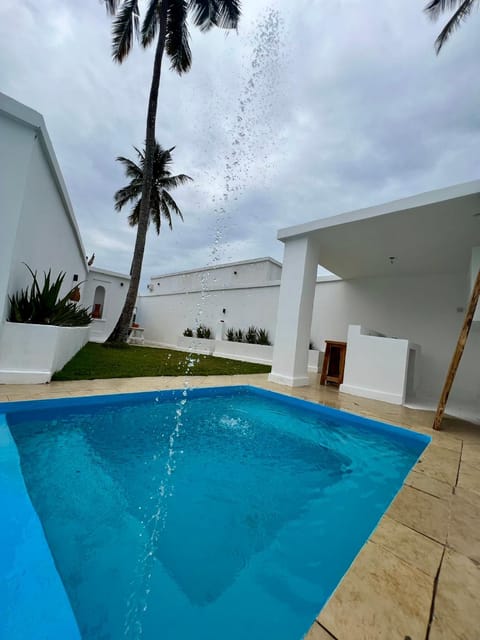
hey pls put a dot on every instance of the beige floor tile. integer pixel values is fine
(317, 632)
(381, 598)
(464, 526)
(471, 454)
(422, 512)
(410, 546)
(469, 477)
(456, 614)
(439, 463)
(429, 485)
(445, 440)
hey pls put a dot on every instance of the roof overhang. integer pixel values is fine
(429, 233)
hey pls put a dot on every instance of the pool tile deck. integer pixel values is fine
(418, 576)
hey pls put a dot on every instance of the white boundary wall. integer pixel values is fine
(422, 309)
(31, 353)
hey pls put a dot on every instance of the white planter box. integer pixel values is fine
(31, 353)
(259, 353)
(197, 345)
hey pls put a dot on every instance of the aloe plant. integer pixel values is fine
(263, 337)
(42, 305)
(203, 331)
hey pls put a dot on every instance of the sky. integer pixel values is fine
(310, 109)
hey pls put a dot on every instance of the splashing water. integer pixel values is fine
(252, 130)
(252, 136)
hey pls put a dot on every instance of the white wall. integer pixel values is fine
(45, 238)
(38, 227)
(116, 287)
(165, 317)
(232, 275)
(377, 367)
(31, 353)
(422, 309)
(37, 222)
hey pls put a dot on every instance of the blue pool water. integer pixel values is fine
(234, 513)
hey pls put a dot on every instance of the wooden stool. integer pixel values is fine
(333, 362)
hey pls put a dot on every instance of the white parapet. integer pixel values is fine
(31, 353)
(379, 367)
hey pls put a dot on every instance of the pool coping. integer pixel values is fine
(442, 487)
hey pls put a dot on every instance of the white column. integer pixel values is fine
(294, 315)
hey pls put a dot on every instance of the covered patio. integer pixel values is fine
(431, 235)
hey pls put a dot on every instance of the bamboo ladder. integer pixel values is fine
(462, 339)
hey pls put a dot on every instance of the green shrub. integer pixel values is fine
(251, 335)
(43, 305)
(203, 332)
(238, 335)
(262, 337)
(188, 333)
(230, 335)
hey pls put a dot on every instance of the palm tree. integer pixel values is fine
(462, 9)
(162, 205)
(166, 22)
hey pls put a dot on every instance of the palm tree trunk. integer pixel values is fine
(120, 333)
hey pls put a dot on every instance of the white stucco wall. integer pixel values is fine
(116, 287)
(165, 317)
(377, 367)
(31, 353)
(231, 275)
(422, 309)
(38, 226)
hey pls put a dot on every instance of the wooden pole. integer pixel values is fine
(462, 339)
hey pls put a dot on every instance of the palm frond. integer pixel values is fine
(171, 204)
(155, 210)
(436, 7)
(177, 46)
(150, 22)
(164, 208)
(215, 13)
(110, 6)
(124, 195)
(228, 14)
(132, 170)
(204, 13)
(171, 182)
(454, 23)
(125, 27)
(135, 214)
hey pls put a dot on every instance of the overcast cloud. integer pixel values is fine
(309, 110)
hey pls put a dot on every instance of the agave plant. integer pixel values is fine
(42, 305)
(239, 335)
(263, 337)
(204, 332)
(251, 334)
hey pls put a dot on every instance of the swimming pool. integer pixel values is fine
(232, 511)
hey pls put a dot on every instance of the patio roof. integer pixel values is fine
(433, 232)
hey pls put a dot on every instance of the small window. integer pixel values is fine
(98, 302)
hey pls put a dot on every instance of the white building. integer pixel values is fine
(405, 272)
(38, 227)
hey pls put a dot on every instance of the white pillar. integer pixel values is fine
(294, 315)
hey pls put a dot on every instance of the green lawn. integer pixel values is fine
(102, 361)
